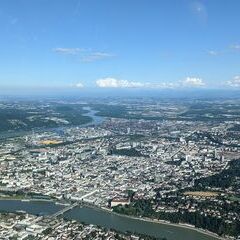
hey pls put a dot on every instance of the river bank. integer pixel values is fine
(93, 121)
(106, 218)
(180, 225)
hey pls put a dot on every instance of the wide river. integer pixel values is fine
(105, 219)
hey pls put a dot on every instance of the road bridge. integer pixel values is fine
(75, 204)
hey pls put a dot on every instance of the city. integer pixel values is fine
(157, 167)
(119, 120)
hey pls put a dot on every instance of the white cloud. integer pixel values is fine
(79, 85)
(228, 50)
(84, 55)
(193, 82)
(68, 51)
(116, 83)
(235, 82)
(110, 82)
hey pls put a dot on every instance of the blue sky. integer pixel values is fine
(120, 44)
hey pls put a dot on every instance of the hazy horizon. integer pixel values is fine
(128, 93)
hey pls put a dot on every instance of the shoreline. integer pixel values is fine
(104, 209)
(15, 198)
(179, 225)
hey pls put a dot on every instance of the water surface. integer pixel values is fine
(105, 219)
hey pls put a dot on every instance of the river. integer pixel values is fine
(105, 219)
(96, 120)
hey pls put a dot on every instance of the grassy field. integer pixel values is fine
(50, 142)
(201, 194)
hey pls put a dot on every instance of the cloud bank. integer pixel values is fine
(110, 82)
(193, 82)
(235, 82)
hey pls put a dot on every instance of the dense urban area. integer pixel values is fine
(170, 161)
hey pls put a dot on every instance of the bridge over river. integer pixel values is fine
(71, 206)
